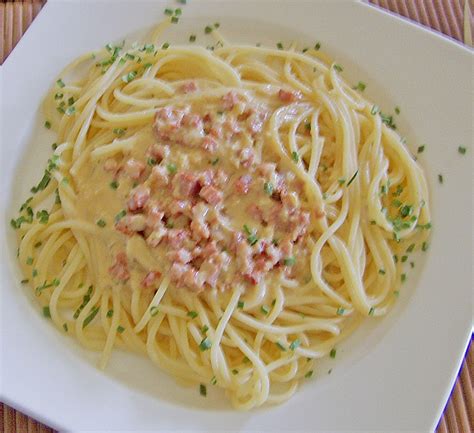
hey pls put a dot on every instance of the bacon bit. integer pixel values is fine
(286, 247)
(176, 238)
(267, 169)
(154, 214)
(150, 278)
(244, 257)
(185, 185)
(253, 278)
(119, 270)
(167, 121)
(136, 223)
(156, 236)
(318, 213)
(216, 132)
(209, 272)
(231, 126)
(179, 207)
(110, 165)
(289, 200)
(206, 178)
(123, 227)
(209, 144)
(246, 157)
(221, 178)
(287, 96)
(177, 271)
(255, 122)
(193, 280)
(242, 185)
(193, 120)
(200, 230)
(138, 198)
(229, 100)
(180, 256)
(134, 168)
(211, 195)
(159, 175)
(159, 152)
(300, 225)
(209, 249)
(188, 87)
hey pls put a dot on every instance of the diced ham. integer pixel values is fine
(318, 213)
(156, 236)
(267, 170)
(206, 177)
(159, 152)
(119, 270)
(290, 200)
(199, 227)
(289, 96)
(193, 120)
(179, 207)
(185, 185)
(216, 131)
(150, 279)
(246, 157)
(110, 165)
(242, 185)
(232, 127)
(159, 175)
(134, 168)
(209, 271)
(177, 271)
(123, 227)
(167, 121)
(255, 122)
(300, 225)
(176, 238)
(229, 100)
(253, 278)
(188, 87)
(211, 195)
(209, 249)
(193, 280)
(138, 198)
(209, 144)
(154, 214)
(179, 256)
(244, 257)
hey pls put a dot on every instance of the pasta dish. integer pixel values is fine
(233, 213)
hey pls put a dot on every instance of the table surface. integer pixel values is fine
(451, 17)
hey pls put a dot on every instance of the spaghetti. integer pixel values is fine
(231, 213)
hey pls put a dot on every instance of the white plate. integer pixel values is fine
(395, 373)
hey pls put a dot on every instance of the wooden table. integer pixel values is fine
(446, 16)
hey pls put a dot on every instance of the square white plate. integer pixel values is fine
(395, 373)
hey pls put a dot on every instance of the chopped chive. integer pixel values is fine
(204, 329)
(192, 314)
(279, 45)
(47, 124)
(308, 374)
(60, 83)
(207, 29)
(412, 264)
(397, 110)
(29, 261)
(411, 248)
(421, 149)
(119, 131)
(395, 258)
(120, 215)
(341, 181)
(192, 38)
(114, 184)
(371, 311)
(268, 188)
(168, 11)
(382, 271)
(54, 146)
(235, 371)
(295, 344)
(203, 390)
(352, 178)
(46, 312)
(295, 157)
(71, 101)
(90, 317)
(332, 353)
(129, 77)
(58, 95)
(25, 281)
(151, 162)
(240, 304)
(215, 161)
(404, 259)
(462, 150)
(101, 223)
(65, 327)
(216, 25)
(264, 309)
(440, 178)
(165, 46)
(213, 380)
(289, 261)
(424, 246)
(360, 86)
(171, 168)
(154, 311)
(340, 311)
(317, 46)
(120, 329)
(70, 110)
(280, 346)
(174, 20)
(34, 273)
(205, 344)
(403, 278)
(375, 109)
(304, 50)
(338, 68)
(110, 313)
